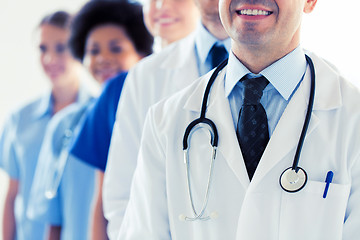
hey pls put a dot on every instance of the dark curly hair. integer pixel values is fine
(125, 14)
(59, 19)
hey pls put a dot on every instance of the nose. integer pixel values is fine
(104, 57)
(158, 4)
(49, 57)
(161, 4)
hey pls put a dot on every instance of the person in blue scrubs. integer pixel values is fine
(108, 37)
(95, 133)
(25, 128)
(56, 198)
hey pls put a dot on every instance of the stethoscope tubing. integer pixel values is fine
(295, 165)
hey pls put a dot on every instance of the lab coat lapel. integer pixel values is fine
(218, 110)
(181, 63)
(287, 133)
(228, 143)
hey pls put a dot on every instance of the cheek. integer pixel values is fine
(70, 64)
(186, 12)
(149, 18)
(63, 60)
(127, 60)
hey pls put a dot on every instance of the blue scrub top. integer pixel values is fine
(71, 207)
(93, 141)
(20, 143)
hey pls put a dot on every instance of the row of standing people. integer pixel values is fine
(265, 40)
(240, 189)
(51, 189)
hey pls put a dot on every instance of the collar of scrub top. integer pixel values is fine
(282, 77)
(204, 41)
(81, 104)
(45, 106)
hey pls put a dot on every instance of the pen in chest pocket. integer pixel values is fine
(328, 180)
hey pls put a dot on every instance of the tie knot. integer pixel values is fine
(218, 54)
(253, 89)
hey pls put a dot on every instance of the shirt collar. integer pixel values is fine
(204, 40)
(282, 77)
(45, 106)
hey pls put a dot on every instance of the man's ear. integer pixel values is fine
(309, 6)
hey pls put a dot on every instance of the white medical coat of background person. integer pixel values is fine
(152, 79)
(259, 209)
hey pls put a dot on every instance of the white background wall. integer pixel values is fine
(332, 31)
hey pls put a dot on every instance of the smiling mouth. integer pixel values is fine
(165, 21)
(253, 12)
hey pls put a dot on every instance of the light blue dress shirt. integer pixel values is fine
(203, 43)
(284, 77)
(21, 142)
(70, 208)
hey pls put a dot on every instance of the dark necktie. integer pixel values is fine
(252, 129)
(218, 54)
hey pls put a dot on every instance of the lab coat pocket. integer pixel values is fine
(307, 215)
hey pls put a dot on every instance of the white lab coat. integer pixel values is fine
(259, 209)
(152, 79)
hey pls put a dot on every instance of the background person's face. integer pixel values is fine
(58, 64)
(170, 20)
(108, 51)
(209, 10)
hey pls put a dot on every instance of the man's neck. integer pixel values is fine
(257, 59)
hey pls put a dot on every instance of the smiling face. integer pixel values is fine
(271, 26)
(109, 51)
(58, 64)
(171, 20)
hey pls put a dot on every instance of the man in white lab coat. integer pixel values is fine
(265, 41)
(151, 80)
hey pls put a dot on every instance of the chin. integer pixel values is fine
(55, 79)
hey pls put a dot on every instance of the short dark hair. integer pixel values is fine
(59, 19)
(125, 14)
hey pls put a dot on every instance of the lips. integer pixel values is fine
(105, 74)
(165, 20)
(54, 71)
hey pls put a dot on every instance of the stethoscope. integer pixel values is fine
(53, 183)
(56, 174)
(292, 179)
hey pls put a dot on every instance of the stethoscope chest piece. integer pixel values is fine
(292, 181)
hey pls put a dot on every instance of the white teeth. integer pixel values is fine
(254, 12)
(165, 20)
